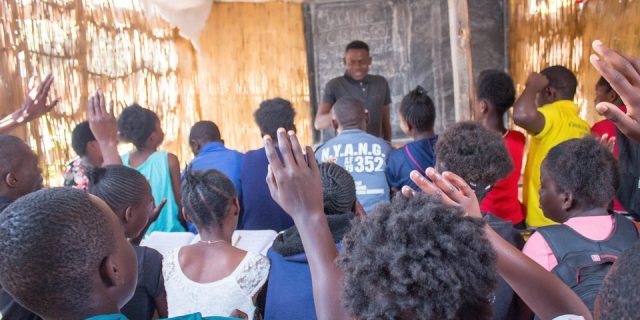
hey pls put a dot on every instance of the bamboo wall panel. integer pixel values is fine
(90, 44)
(251, 52)
(549, 32)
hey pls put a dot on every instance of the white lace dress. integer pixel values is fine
(218, 298)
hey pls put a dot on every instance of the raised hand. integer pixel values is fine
(104, 126)
(35, 103)
(623, 73)
(294, 182)
(608, 142)
(450, 187)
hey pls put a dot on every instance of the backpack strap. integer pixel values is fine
(415, 162)
(567, 244)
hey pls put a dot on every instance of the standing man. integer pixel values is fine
(356, 82)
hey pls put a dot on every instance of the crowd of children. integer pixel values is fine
(430, 230)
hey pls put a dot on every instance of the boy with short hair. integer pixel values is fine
(547, 111)
(65, 255)
(363, 155)
(259, 211)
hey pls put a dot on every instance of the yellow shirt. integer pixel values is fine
(562, 123)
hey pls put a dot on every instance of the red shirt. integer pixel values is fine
(502, 200)
(608, 127)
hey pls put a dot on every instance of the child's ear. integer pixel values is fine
(334, 123)
(11, 180)
(236, 204)
(185, 215)
(567, 201)
(128, 214)
(484, 106)
(110, 272)
(612, 96)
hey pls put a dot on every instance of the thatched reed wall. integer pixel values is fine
(88, 45)
(549, 32)
(251, 52)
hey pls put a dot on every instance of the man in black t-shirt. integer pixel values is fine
(356, 82)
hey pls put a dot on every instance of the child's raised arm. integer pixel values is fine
(543, 292)
(623, 73)
(295, 184)
(104, 126)
(34, 105)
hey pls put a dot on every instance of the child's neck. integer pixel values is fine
(422, 135)
(592, 212)
(215, 234)
(494, 123)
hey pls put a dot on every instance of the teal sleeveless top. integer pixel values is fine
(156, 170)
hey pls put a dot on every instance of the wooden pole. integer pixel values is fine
(460, 35)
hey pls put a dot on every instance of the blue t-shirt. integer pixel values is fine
(214, 155)
(289, 290)
(365, 157)
(417, 155)
(259, 211)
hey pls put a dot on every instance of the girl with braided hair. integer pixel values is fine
(289, 293)
(212, 276)
(128, 194)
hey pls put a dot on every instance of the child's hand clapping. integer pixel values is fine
(450, 187)
(295, 182)
(623, 73)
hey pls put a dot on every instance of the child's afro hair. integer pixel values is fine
(418, 259)
(475, 153)
(586, 169)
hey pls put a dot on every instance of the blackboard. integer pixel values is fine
(409, 42)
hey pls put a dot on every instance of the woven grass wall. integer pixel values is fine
(251, 52)
(549, 32)
(90, 44)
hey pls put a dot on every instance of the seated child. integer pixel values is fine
(212, 276)
(479, 156)
(417, 116)
(363, 155)
(604, 93)
(65, 255)
(259, 211)
(289, 292)
(579, 178)
(141, 127)
(398, 261)
(128, 194)
(495, 96)
(21, 175)
(295, 184)
(89, 156)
